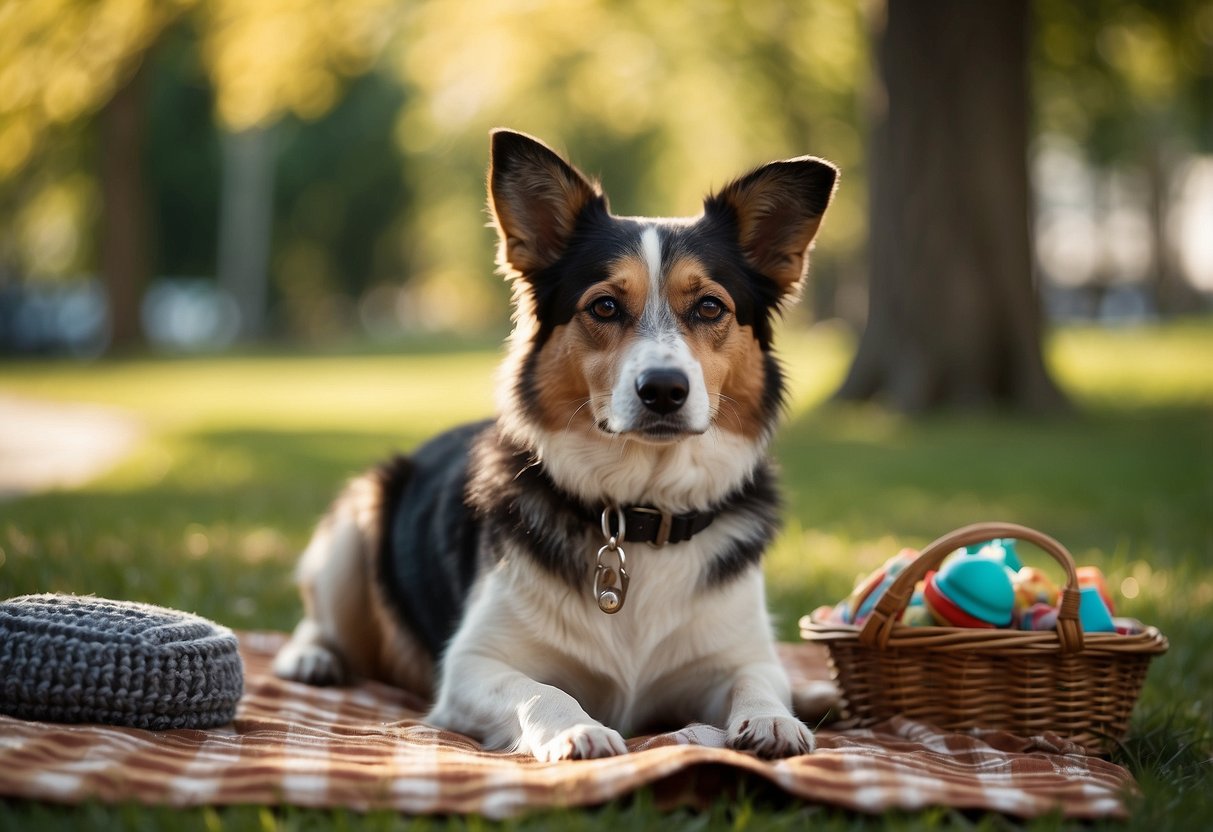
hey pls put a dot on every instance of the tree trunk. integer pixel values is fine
(954, 319)
(246, 214)
(124, 239)
(1173, 294)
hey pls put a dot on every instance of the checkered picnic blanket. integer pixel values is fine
(365, 747)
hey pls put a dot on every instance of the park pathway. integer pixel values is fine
(46, 445)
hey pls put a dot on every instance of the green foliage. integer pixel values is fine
(60, 60)
(662, 101)
(182, 157)
(381, 179)
(243, 454)
(216, 64)
(1116, 76)
(341, 201)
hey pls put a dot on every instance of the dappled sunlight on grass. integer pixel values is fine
(920, 477)
(122, 547)
(286, 393)
(1138, 366)
(209, 521)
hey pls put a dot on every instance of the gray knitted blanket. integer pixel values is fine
(65, 658)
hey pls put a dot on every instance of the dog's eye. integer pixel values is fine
(709, 309)
(605, 308)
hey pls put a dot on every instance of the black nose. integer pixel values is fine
(663, 391)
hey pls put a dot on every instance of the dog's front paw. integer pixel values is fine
(310, 663)
(771, 736)
(581, 742)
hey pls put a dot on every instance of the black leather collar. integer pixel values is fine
(645, 524)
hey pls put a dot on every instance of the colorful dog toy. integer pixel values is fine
(1092, 576)
(1001, 549)
(1093, 613)
(971, 591)
(1038, 616)
(983, 586)
(1032, 586)
(863, 600)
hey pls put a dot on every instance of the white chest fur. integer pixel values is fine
(662, 657)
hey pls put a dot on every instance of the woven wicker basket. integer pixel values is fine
(1080, 686)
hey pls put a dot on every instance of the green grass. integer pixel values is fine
(244, 452)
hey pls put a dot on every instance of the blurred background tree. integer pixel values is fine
(76, 77)
(1126, 89)
(62, 62)
(954, 318)
(314, 168)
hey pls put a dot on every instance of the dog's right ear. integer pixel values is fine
(777, 210)
(536, 198)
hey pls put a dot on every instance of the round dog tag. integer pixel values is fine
(609, 601)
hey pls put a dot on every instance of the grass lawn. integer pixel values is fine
(243, 453)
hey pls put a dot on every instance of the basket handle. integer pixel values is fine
(879, 626)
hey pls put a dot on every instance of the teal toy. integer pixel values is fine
(1093, 576)
(1001, 549)
(1093, 613)
(979, 586)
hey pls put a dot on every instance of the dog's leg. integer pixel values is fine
(332, 639)
(760, 717)
(509, 710)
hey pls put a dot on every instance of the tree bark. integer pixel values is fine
(954, 319)
(246, 217)
(125, 267)
(1173, 294)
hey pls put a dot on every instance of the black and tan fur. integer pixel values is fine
(640, 373)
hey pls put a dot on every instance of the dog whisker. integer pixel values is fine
(573, 415)
(732, 404)
(591, 400)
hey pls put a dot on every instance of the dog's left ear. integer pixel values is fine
(778, 209)
(536, 198)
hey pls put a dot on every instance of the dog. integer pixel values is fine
(587, 565)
